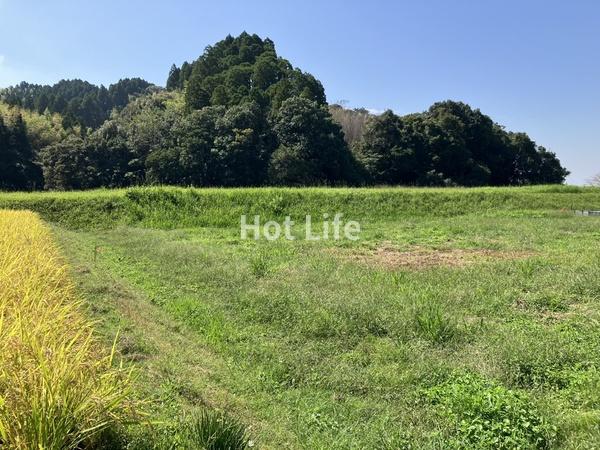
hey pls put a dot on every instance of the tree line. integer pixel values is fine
(452, 144)
(240, 115)
(78, 102)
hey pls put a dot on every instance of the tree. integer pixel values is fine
(162, 166)
(65, 164)
(41, 103)
(8, 159)
(242, 147)
(147, 126)
(311, 147)
(237, 69)
(18, 168)
(265, 71)
(186, 73)
(196, 133)
(196, 97)
(550, 171)
(108, 157)
(81, 102)
(387, 153)
(173, 81)
(452, 144)
(242, 115)
(352, 121)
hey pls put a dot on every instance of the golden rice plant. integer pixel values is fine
(58, 387)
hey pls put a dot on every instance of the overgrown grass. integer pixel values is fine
(171, 207)
(58, 388)
(489, 416)
(204, 429)
(212, 430)
(317, 345)
(432, 324)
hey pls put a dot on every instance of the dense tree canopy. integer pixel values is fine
(311, 147)
(17, 167)
(155, 139)
(239, 69)
(240, 115)
(452, 144)
(79, 102)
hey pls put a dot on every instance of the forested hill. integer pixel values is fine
(79, 102)
(241, 115)
(242, 69)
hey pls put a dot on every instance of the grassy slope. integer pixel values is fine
(316, 350)
(179, 208)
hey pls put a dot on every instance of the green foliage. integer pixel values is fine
(489, 416)
(236, 70)
(536, 358)
(242, 147)
(452, 144)
(65, 165)
(312, 149)
(204, 429)
(196, 97)
(173, 78)
(165, 207)
(42, 129)
(240, 115)
(387, 158)
(323, 350)
(79, 102)
(259, 266)
(153, 140)
(17, 167)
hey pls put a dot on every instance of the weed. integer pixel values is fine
(259, 266)
(489, 416)
(433, 325)
(211, 430)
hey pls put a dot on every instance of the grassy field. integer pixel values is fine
(462, 318)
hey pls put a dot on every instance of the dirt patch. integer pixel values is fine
(420, 258)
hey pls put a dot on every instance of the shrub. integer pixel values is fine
(58, 387)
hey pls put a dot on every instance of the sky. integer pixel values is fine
(531, 65)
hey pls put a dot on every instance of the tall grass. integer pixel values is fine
(58, 387)
(212, 430)
(171, 207)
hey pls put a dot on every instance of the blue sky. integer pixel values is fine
(531, 65)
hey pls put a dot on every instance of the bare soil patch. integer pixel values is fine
(420, 258)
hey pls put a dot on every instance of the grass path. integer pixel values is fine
(175, 371)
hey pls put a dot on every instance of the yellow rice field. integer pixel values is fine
(58, 388)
